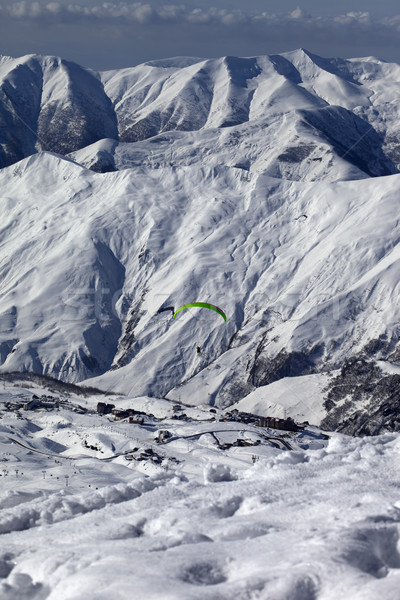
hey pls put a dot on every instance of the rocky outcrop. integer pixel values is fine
(363, 400)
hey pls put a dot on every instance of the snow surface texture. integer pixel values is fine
(236, 212)
(186, 519)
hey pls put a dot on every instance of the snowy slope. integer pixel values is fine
(242, 182)
(47, 103)
(185, 518)
(299, 397)
(307, 274)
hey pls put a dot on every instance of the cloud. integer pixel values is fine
(113, 34)
(58, 12)
(298, 13)
(145, 13)
(354, 18)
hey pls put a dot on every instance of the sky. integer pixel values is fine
(115, 34)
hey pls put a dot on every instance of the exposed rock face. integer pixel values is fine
(363, 400)
(286, 364)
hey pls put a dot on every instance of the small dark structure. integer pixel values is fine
(243, 443)
(136, 421)
(165, 308)
(182, 417)
(105, 409)
(242, 417)
(47, 402)
(120, 414)
(124, 414)
(272, 422)
(163, 436)
(282, 424)
(32, 405)
(80, 409)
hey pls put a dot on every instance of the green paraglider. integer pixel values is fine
(202, 305)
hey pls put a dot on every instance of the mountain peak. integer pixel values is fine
(228, 166)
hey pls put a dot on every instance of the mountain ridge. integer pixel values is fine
(295, 238)
(58, 106)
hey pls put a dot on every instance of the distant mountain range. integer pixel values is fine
(294, 116)
(268, 186)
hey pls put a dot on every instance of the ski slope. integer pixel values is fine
(79, 520)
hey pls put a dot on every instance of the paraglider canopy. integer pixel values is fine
(202, 305)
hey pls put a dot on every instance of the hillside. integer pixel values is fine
(266, 186)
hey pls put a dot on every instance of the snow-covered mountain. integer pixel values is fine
(266, 186)
(295, 115)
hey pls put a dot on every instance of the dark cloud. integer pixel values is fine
(115, 34)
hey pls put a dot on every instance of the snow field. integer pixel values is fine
(320, 521)
(310, 524)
